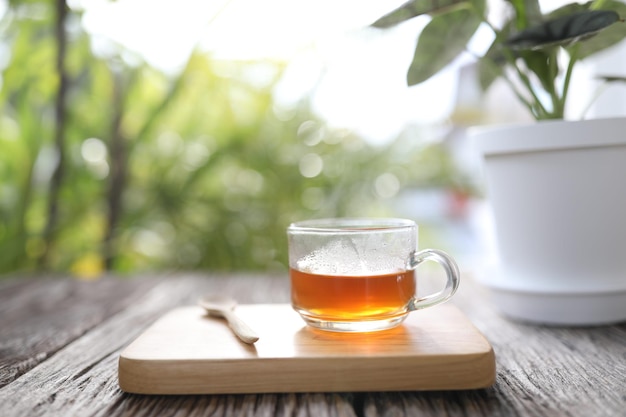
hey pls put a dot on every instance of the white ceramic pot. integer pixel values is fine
(558, 194)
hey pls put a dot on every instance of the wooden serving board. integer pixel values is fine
(187, 352)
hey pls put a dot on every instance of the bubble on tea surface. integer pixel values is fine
(347, 257)
(332, 259)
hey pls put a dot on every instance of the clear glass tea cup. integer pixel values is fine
(358, 274)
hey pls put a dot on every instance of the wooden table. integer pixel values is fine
(60, 340)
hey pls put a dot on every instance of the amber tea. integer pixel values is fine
(349, 298)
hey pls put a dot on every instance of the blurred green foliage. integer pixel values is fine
(197, 170)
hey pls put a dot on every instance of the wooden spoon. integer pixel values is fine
(220, 306)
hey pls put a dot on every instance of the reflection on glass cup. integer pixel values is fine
(358, 275)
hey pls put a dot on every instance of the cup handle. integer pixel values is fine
(452, 272)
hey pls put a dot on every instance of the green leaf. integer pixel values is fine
(563, 30)
(612, 78)
(543, 64)
(414, 8)
(568, 10)
(490, 66)
(441, 41)
(608, 37)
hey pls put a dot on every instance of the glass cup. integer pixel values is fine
(358, 275)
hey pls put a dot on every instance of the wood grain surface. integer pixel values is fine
(60, 340)
(186, 352)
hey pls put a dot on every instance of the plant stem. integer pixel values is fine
(558, 104)
(511, 59)
(538, 110)
(496, 68)
(568, 75)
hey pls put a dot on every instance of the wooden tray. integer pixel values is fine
(187, 352)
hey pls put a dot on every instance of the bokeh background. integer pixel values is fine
(156, 135)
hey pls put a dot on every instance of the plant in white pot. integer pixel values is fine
(555, 186)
